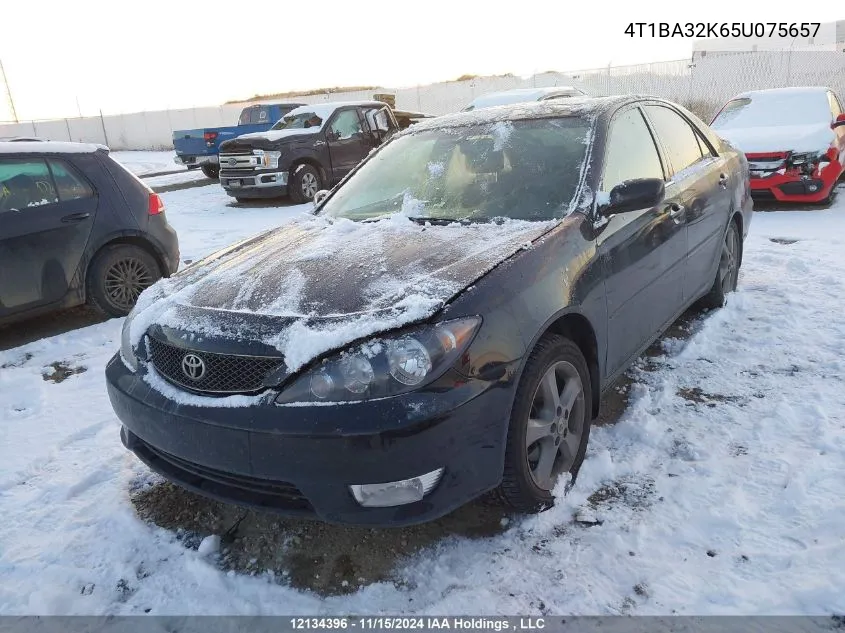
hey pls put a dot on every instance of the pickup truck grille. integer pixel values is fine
(239, 162)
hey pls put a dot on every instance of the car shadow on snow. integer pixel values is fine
(36, 328)
(331, 559)
(261, 203)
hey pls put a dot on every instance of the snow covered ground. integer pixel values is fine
(718, 491)
(143, 162)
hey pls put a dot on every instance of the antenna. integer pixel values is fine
(8, 92)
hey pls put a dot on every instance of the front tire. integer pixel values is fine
(727, 274)
(549, 426)
(211, 171)
(118, 275)
(304, 183)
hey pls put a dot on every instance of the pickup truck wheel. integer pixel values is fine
(305, 181)
(211, 171)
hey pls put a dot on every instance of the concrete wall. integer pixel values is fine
(703, 86)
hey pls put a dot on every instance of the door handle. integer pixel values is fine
(723, 181)
(676, 212)
(75, 217)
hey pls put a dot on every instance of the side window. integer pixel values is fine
(346, 124)
(630, 152)
(679, 139)
(378, 119)
(25, 183)
(69, 185)
(835, 106)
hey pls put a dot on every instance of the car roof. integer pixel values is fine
(326, 109)
(520, 94)
(49, 147)
(573, 106)
(778, 92)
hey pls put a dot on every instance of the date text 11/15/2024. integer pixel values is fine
(419, 623)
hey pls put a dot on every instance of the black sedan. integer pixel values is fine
(447, 321)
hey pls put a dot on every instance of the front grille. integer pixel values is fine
(242, 162)
(252, 491)
(224, 373)
(762, 194)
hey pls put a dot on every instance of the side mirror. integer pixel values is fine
(840, 120)
(319, 197)
(631, 195)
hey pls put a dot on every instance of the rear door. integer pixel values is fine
(346, 140)
(47, 211)
(698, 194)
(642, 251)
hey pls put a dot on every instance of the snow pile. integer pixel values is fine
(718, 491)
(783, 119)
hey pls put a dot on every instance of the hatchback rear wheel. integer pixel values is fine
(117, 277)
(549, 426)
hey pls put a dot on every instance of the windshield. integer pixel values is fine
(298, 121)
(512, 169)
(773, 111)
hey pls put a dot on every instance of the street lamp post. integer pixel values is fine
(8, 92)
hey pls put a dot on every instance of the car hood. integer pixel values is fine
(316, 285)
(811, 137)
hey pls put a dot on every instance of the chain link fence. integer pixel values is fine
(702, 84)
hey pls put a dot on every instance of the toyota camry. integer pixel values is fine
(445, 323)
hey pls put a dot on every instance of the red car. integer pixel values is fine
(793, 138)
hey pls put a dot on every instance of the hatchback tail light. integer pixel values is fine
(156, 204)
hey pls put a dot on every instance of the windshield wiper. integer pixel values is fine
(438, 221)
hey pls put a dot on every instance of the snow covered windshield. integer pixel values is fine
(299, 121)
(525, 169)
(773, 111)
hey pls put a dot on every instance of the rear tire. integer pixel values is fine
(117, 276)
(305, 181)
(727, 274)
(211, 171)
(549, 426)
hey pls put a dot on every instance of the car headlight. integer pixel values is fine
(807, 161)
(127, 353)
(268, 158)
(384, 366)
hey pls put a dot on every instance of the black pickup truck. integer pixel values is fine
(313, 147)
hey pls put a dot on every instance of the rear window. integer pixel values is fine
(799, 108)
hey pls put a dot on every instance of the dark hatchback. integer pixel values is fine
(76, 227)
(448, 321)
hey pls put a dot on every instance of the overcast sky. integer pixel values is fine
(123, 56)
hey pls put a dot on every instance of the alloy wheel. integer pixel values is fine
(125, 280)
(728, 269)
(310, 185)
(555, 424)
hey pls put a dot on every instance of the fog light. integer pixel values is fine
(396, 493)
(813, 187)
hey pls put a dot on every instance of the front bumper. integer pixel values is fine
(300, 460)
(195, 161)
(789, 187)
(258, 184)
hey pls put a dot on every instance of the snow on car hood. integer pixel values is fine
(275, 135)
(811, 137)
(314, 286)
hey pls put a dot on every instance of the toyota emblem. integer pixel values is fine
(193, 366)
(233, 162)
